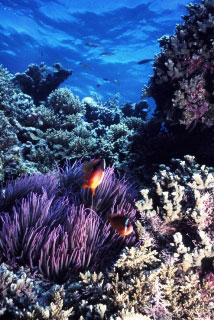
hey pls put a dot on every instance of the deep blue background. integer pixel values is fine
(77, 32)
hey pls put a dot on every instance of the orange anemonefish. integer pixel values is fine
(121, 224)
(94, 173)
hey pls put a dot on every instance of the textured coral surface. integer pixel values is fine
(182, 84)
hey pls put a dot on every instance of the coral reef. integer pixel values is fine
(138, 110)
(182, 87)
(39, 81)
(10, 149)
(179, 209)
(117, 128)
(60, 257)
(62, 127)
(103, 114)
(167, 275)
(27, 299)
(182, 84)
(64, 102)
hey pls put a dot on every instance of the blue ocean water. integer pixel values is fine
(101, 41)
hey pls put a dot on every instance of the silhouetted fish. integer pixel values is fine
(93, 45)
(145, 61)
(84, 65)
(103, 54)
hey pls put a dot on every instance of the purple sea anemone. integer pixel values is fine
(51, 224)
(114, 195)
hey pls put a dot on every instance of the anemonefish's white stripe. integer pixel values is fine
(126, 224)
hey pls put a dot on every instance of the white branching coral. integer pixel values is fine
(137, 258)
(181, 203)
(54, 311)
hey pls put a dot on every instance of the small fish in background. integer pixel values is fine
(85, 65)
(121, 224)
(98, 85)
(93, 44)
(105, 54)
(145, 61)
(106, 79)
(94, 173)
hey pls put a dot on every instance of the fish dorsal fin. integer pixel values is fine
(109, 216)
(88, 166)
(99, 163)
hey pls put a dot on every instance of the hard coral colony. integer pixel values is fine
(182, 83)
